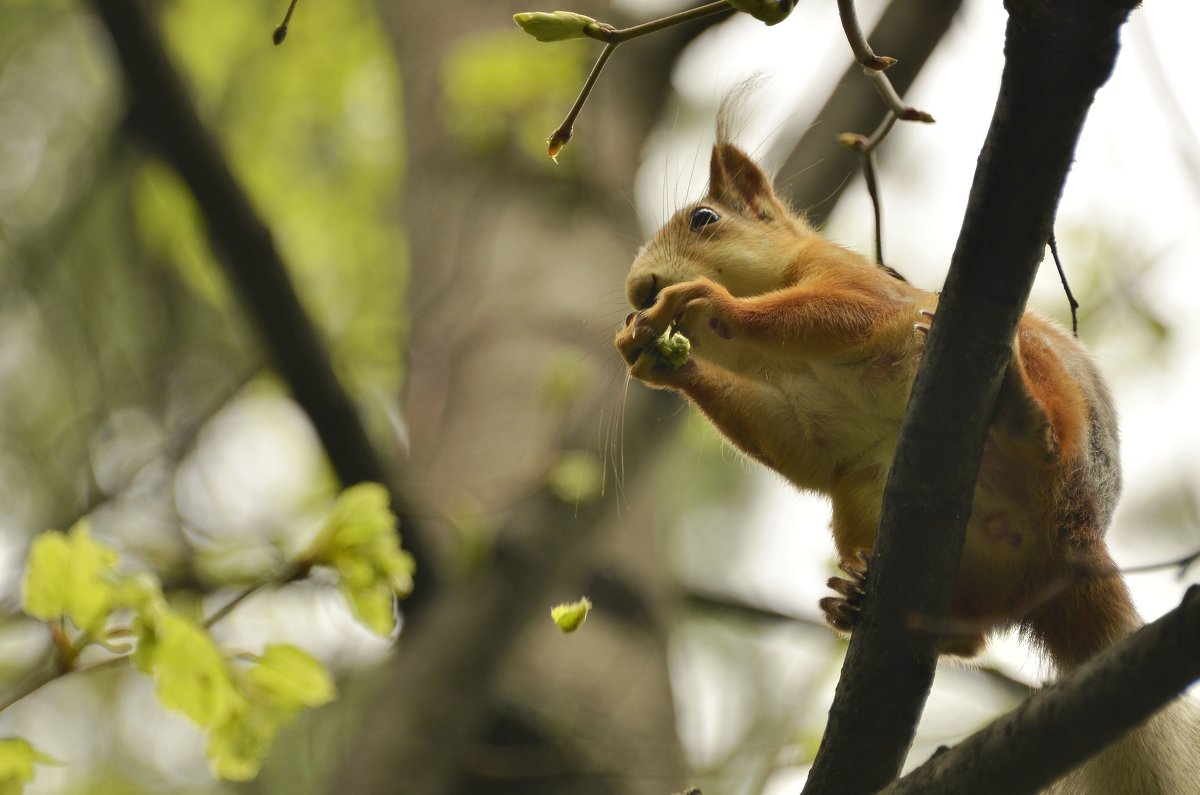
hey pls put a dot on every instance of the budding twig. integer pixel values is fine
(866, 147)
(607, 33)
(281, 32)
(1062, 275)
(873, 65)
(560, 137)
(561, 25)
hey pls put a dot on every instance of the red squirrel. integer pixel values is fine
(803, 354)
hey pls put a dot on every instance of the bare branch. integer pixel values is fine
(1064, 724)
(253, 264)
(1062, 275)
(873, 65)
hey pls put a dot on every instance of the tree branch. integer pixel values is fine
(1057, 56)
(1059, 727)
(253, 264)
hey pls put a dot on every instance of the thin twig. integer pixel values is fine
(281, 32)
(560, 137)
(858, 42)
(289, 574)
(607, 33)
(873, 65)
(1062, 275)
(613, 37)
(866, 148)
(1079, 572)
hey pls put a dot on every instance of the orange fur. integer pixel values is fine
(803, 355)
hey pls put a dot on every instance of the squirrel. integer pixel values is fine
(803, 354)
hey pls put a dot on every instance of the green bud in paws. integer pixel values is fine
(674, 348)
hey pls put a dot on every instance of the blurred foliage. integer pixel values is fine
(131, 386)
(502, 84)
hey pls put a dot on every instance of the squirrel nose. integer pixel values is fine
(641, 290)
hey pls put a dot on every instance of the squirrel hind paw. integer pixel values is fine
(842, 611)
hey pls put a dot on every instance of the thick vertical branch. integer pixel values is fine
(252, 262)
(1057, 55)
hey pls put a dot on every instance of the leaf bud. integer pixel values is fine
(556, 26)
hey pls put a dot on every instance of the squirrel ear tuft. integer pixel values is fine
(734, 179)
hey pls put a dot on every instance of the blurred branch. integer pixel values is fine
(1057, 55)
(434, 699)
(1062, 725)
(735, 607)
(253, 264)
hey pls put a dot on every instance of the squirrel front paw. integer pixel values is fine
(653, 357)
(842, 612)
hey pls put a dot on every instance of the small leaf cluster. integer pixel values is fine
(359, 542)
(73, 583)
(17, 759)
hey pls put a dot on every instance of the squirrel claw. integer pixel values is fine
(842, 611)
(922, 326)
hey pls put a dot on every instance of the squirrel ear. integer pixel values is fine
(734, 179)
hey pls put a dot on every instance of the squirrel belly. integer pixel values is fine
(803, 355)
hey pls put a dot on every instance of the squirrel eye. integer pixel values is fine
(703, 216)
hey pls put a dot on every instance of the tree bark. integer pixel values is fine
(1057, 55)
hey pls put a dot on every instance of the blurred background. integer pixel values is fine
(468, 290)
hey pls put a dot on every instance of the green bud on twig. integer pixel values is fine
(558, 26)
(853, 141)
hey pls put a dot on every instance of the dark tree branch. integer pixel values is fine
(166, 116)
(1061, 726)
(1057, 55)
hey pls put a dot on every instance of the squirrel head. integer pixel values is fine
(740, 235)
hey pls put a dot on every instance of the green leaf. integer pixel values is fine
(359, 518)
(71, 575)
(190, 674)
(556, 26)
(17, 759)
(238, 746)
(570, 615)
(361, 544)
(374, 606)
(289, 678)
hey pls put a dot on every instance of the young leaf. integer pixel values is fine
(360, 542)
(70, 575)
(17, 759)
(570, 615)
(237, 748)
(289, 678)
(190, 674)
